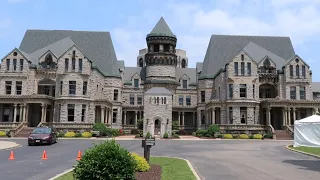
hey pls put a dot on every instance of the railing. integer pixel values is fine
(16, 130)
(69, 126)
(9, 125)
(271, 131)
(242, 127)
(289, 129)
(129, 126)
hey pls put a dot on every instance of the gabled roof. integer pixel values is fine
(96, 46)
(190, 72)
(222, 48)
(161, 29)
(25, 55)
(295, 57)
(158, 91)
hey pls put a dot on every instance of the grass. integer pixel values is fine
(311, 150)
(172, 169)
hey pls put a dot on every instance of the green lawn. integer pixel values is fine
(311, 150)
(172, 169)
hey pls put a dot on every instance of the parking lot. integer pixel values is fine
(221, 160)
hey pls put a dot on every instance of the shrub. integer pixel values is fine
(60, 134)
(86, 134)
(141, 162)
(148, 135)
(257, 136)
(134, 131)
(268, 136)
(101, 128)
(227, 136)
(201, 133)
(106, 161)
(176, 136)
(220, 136)
(2, 134)
(194, 134)
(78, 134)
(166, 135)
(137, 136)
(70, 134)
(141, 133)
(213, 129)
(243, 136)
(235, 136)
(175, 125)
(251, 136)
(140, 124)
(181, 132)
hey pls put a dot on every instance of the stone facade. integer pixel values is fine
(70, 86)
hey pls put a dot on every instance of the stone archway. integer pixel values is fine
(157, 127)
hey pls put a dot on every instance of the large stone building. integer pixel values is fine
(73, 79)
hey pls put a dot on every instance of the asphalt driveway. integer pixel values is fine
(213, 160)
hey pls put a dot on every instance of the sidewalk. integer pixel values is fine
(8, 145)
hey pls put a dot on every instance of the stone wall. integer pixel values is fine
(160, 71)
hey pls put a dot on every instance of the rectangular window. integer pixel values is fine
(188, 100)
(302, 92)
(80, 65)
(249, 68)
(70, 112)
(72, 87)
(236, 69)
(292, 92)
(242, 68)
(243, 90)
(181, 100)
(66, 64)
(115, 94)
(230, 115)
(46, 90)
(203, 96)
(131, 99)
(8, 87)
(8, 64)
(253, 91)
(18, 87)
(73, 61)
(230, 91)
(61, 86)
(83, 113)
(243, 115)
(297, 71)
(21, 64)
(85, 85)
(136, 83)
(139, 99)
(184, 84)
(291, 70)
(303, 69)
(114, 116)
(14, 64)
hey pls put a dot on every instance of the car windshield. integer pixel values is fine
(42, 131)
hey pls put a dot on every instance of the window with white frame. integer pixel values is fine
(83, 112)
(131, 99)
(8, 85)
(188, 100)
(180, 100)
(243, 90)
(72, 87)
(139, 99)
(71, 112)
(18, 87)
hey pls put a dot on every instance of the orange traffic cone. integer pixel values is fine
(11, 156)
(79, 156)
(44, 155)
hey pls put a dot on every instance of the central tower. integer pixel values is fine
(161, 60)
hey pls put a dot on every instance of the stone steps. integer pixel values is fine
(25, 132)
(283, 135)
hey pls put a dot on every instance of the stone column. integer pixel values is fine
(257, 115)
(106, 115)
(102, 114)
(125, 118)
(289, 116)
(179, 118)
(45, 113)
(183, 118)
(199, 115)
(15, 113)
(294, 114)
(42, 112)
(284, 116)
(213, 115)
(136, 119)
(20, 113)
(110, 116)
(268, 109)
(26, 113)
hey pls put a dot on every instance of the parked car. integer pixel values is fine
(43, 135)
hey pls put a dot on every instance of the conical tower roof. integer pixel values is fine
(161, 29)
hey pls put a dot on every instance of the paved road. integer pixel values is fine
(213, 160)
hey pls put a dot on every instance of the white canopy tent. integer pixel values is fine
(307, 132)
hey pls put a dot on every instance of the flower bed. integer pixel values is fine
(207, 134)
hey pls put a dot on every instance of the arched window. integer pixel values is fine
(242, 57)
(165, 100)
(297, 71)
(266, 62)
(140, 62)
(183, 63)
(161, 100)
(48, 62)
(157, 100)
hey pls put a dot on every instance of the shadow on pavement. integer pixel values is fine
(312, 165)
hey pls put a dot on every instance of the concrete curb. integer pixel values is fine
(302, 152)
(188, 162)
(61, 174)
(11, 147)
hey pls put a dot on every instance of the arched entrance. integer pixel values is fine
(157, 127)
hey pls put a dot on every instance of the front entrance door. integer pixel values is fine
(157, 127)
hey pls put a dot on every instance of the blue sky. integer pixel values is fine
(193, 22)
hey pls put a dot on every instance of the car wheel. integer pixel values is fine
(29, 144)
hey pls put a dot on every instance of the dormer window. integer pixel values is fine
(48, 62)
(140, 62)
(73, 54)
(183, 63)
(242, 57)
(184, 84)
(136, 83)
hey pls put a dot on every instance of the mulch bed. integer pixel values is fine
(154, 173)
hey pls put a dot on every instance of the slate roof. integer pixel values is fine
(190, 72)
(96, 46)
(161, 29)
(222, 48)
(158, 91)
